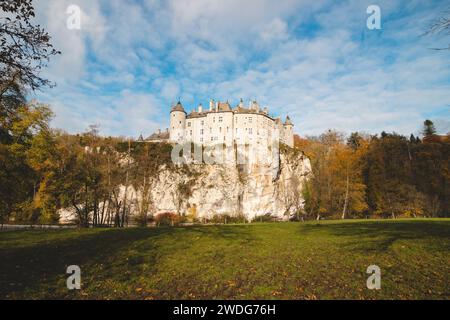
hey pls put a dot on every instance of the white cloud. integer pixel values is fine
(132, 59)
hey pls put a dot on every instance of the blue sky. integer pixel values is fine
(314, 60)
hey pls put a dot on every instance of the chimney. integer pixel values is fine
(200, 108)
(254, 105)
(211, 105)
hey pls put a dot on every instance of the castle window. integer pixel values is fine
(203, 122)
(249, 119)
(220, 129)
(190, 132)
(250, 130)
(201, 131)
(180, 122)
(220, 119)
(189, 124)
(201, 139)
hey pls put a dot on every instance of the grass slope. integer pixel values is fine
(325, 260)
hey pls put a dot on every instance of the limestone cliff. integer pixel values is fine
(236, 190)
(248, 190)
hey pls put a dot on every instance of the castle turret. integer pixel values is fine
(177, 123)
(288, 132)
(211, 105)
(254, 106)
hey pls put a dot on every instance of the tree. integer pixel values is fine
(336, 186)
(20, 166)
(24, 51)
(354, 141)
(428, 128)
(440, 25)
(25, 48)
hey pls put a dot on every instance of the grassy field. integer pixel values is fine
(325, 260)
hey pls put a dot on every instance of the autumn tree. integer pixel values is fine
(21, 143)
(24, 133)
(336, 187)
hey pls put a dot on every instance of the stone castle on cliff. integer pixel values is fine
(220, 123)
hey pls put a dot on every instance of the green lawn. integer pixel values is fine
(311, 260)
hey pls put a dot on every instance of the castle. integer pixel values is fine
(223, 124)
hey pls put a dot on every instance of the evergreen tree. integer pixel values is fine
(428, 128)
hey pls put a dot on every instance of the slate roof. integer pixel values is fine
(178, 107)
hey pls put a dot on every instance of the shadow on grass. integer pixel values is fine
(115, 254)
(25, 268)
(378, 236)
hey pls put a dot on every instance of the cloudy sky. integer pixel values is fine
(315, 60)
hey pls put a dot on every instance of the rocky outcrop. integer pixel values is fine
(249, 190)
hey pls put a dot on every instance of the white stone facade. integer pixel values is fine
(222, 124)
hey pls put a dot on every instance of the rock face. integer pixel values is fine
(206, 190)
(248, 190)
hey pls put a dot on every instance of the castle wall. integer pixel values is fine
(228, 127)
(219, 127)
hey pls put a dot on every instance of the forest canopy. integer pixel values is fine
(386, 175)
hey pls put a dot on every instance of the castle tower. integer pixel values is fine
(288, 127)
(177, 123)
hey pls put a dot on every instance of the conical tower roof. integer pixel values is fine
(178, 107)
(288, 121)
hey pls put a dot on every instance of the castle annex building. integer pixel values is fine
(221, 123)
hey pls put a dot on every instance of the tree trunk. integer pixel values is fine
(344, 210)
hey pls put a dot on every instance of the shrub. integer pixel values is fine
(226, 218)
(264, 218)
(167, 219)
